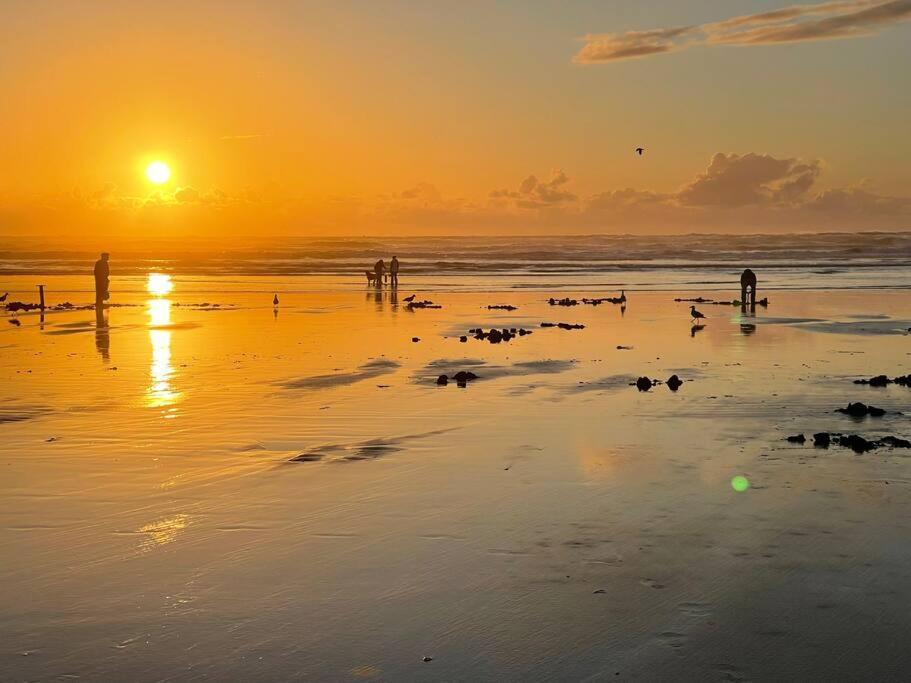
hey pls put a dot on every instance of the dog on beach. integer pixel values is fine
(371, 277)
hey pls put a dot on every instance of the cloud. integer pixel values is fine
(535, 194)
(733, 180)
(613, 46)
(797, 23)
(186, 194)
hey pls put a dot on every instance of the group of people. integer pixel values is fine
(383, 274)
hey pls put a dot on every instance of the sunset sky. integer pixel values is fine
(394, 117)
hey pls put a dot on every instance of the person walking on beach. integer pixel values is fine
(102, 280)
(380, 269)
(394, 271)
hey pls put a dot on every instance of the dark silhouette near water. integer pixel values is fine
(102, 280)
(394, 271)
(697, 316)
(379, 270)
(3, 298)
(275, 300)
(748, 281)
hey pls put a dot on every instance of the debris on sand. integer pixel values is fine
(412, 305)
(797, 438)
(564, 326)
(427, 659)
(883, 380)
(562, 302)
(861, 410)
(713, 302)
(495, 336)
(502, 307)
(620, 347)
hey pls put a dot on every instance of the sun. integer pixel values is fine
(158, 172)
(159, 284)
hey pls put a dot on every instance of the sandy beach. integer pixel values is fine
(207, 487)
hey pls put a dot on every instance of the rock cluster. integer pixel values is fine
(855, 442)
(461, 378)
(883, 380)
(645, 383)
(495, 336)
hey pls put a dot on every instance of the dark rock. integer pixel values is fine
(463, 339)
(883, 380)
(860, 410)
(427, 659)
(797, 438)
(856, 443)
(643, 384)
(415, 339)
(505, 307)
(895, 442)
(674, 382)
(442, 380)
(821, 440)
(464, 376)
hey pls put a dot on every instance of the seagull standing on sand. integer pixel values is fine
(639, 151)
(696, 314)
(275, 300)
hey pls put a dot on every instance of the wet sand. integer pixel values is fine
(250, 494)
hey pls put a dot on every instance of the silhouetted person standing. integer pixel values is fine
(380, 269)
(102, 280)
(394, 271)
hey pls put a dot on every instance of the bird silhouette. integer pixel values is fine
(639, 151)
(409, 299)
(696, 314)
(3, 298)
(275, 300)
(15, 321)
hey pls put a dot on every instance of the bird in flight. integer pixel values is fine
(639, 151)
(696, 314)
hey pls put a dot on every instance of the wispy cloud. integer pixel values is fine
(797, 23)
(251, 136)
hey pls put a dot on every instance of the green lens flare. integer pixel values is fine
(740, 483)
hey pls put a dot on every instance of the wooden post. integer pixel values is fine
(41, 297)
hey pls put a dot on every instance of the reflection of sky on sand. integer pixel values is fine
(160, 393)
(162, 531)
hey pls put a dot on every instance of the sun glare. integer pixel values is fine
(158, 172)
(159, 284)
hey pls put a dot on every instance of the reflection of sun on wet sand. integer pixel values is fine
(321, 493)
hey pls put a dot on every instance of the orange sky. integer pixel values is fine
(396, 117)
